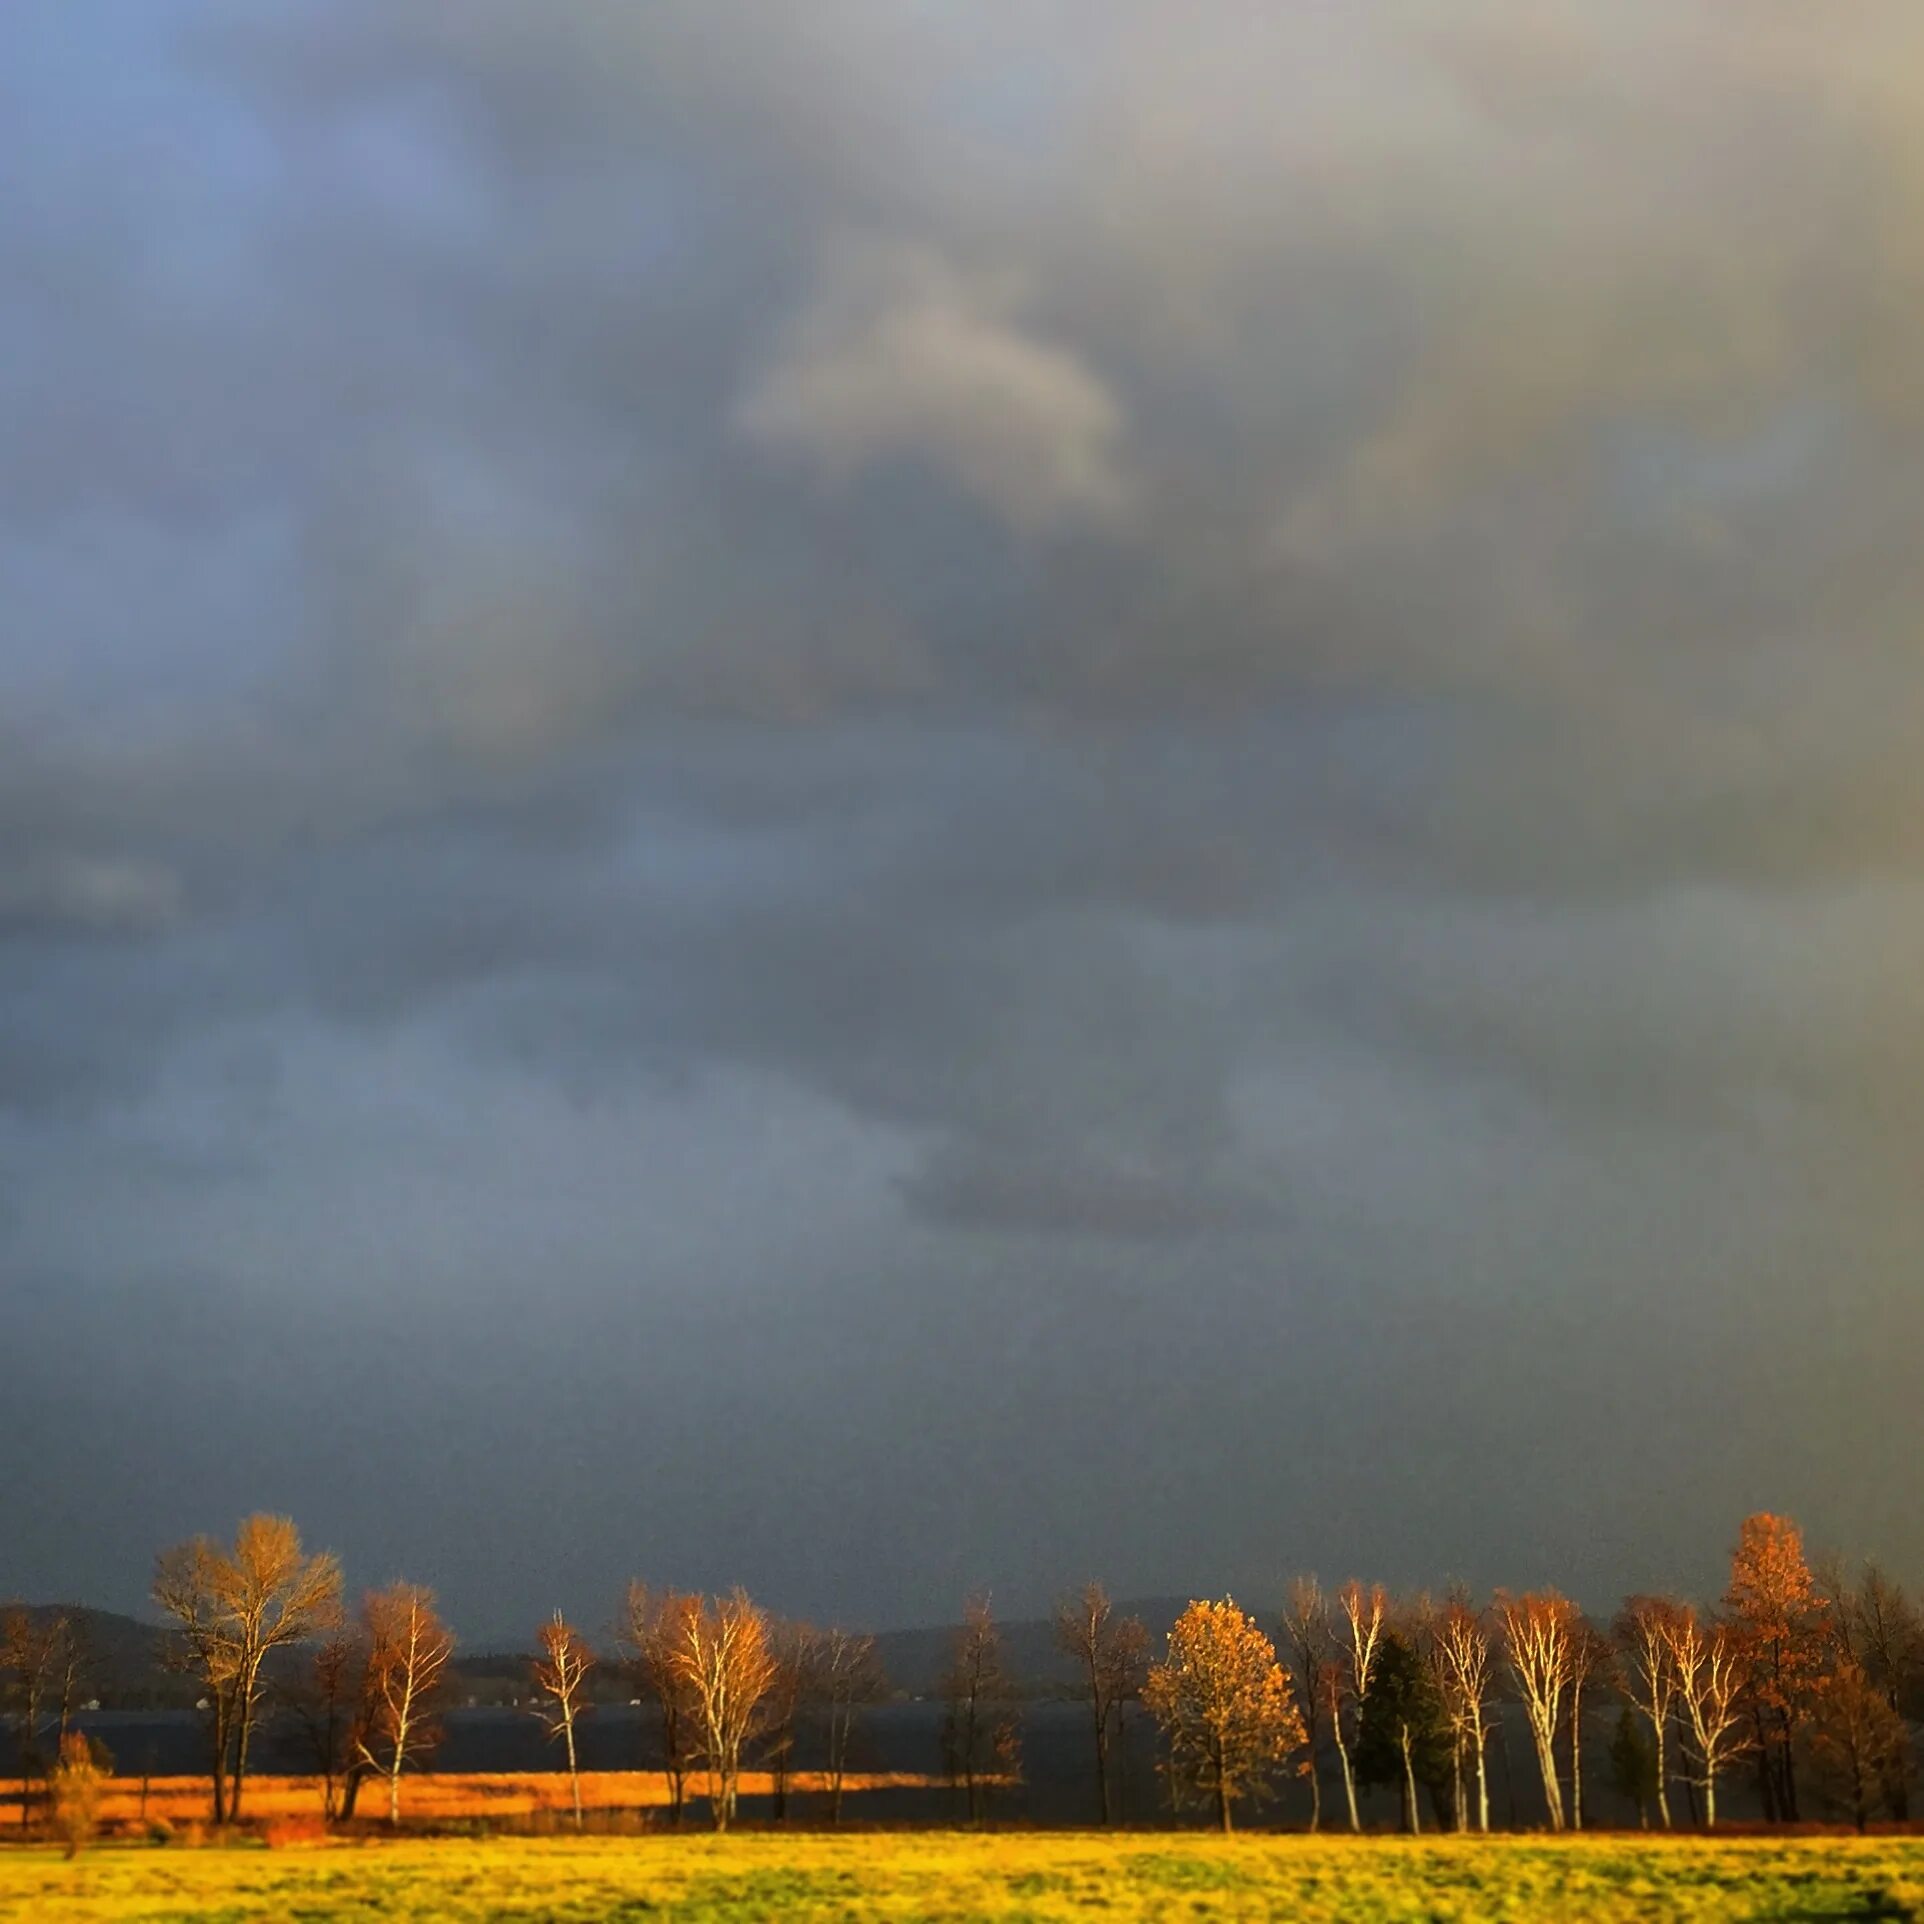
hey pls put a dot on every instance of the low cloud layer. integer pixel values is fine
(874, 799)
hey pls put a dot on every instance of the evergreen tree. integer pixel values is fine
(1402, 1735)
(1633, 1765)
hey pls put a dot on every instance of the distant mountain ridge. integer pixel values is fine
(128, 1667)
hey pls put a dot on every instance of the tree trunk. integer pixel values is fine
(244, 1731)
(1547, 1765)
(1482, 1782)
(220, 1758)
(1349, 1779)
(1576, 1756)
(1663, 1781)
(1102, 1757)
(1412, 1818)
(574, 1775)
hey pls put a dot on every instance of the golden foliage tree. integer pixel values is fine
(75, 1784)
(1228, 1715)
(232, 1608)
(1781, 1623)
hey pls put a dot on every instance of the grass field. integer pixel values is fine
(953, 1876)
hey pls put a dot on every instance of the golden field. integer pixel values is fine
(1037, 1877)
(438, 1797)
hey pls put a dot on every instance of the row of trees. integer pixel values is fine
(366, 1690)
(1799, 1673)
(1803, 1676)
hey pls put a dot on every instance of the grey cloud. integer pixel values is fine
(895, 358)
(1073, 657)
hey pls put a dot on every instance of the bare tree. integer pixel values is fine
(408, 1647)
(1309, 1644)
(1113, 1655)
(848, 1675)
(1590, 1658)
(1644, 1632)
(1538, 1629)
(980, 1743)
(725, 1658)
(326, 1703)
(796, 1648)
(1365, 1622)
(561, 1670)
(35, 1656)
(1461, 1654)
(654, 1632)
(188, 1583)
(233, 1608)
(1709, 1668)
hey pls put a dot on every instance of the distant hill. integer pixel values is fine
(127, 1668)
(124, 1659)
(916, 1659)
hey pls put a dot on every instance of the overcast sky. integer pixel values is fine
(875, 797)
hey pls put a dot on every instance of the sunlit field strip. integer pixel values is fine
(949, 1875)
(430, 1796)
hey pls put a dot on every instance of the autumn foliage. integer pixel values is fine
(1229, 1720)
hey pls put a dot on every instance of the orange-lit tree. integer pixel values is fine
(1538, 1630)
(654, 1632)
(30, 1663)
(232, 1608)
(1877, 1627)
(1228, 1716)
(726, 1661)
(1365, 1616)
(1708, 1666)
(408, 1647)
(1644, 1635)
(1460, 1647)
(561, 1665)
(1859, 1746)
(1782, 1625)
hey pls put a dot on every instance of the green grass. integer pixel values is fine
(946, 1876)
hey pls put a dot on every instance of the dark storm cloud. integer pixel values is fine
(875, 694)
